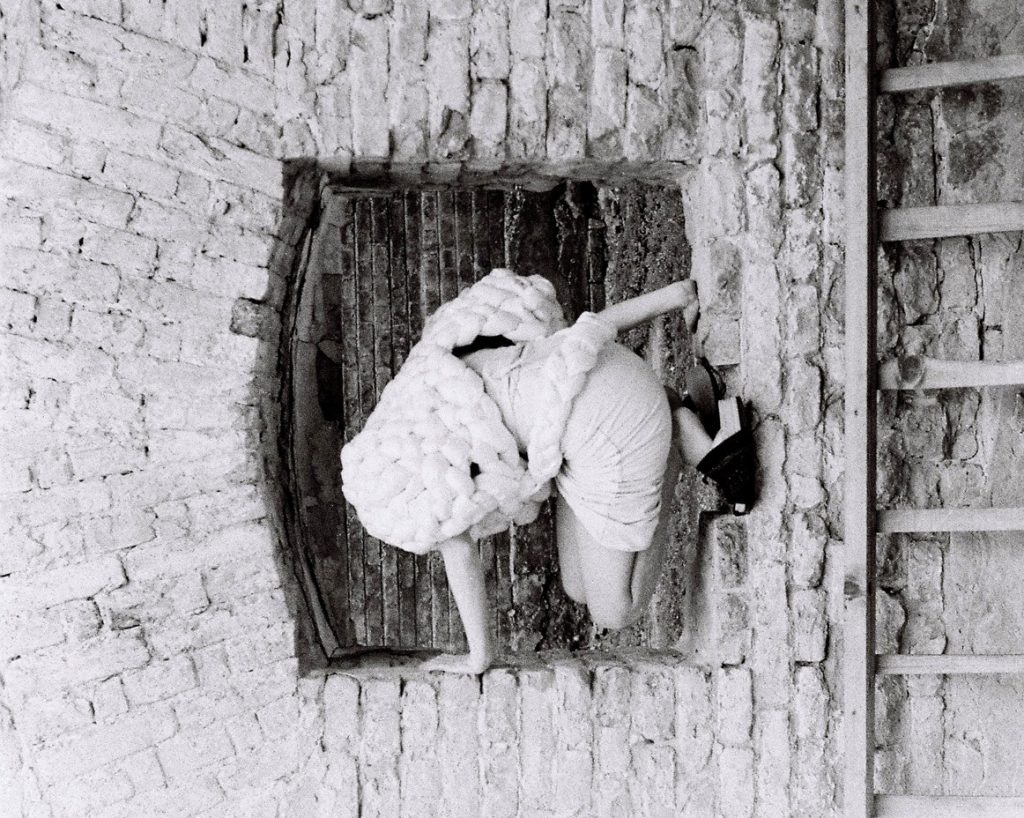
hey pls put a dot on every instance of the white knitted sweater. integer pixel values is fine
(410, 472)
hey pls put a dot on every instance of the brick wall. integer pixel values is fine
(149, 617)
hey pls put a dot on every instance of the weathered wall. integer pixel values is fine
(148, 649)
(960, 299)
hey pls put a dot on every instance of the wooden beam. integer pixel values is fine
(916, 372)
(950, 74)
(908, 223)
(902, 665)
(948, 806)
(926, 520)
(860, 409)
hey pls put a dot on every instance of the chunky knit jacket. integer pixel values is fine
(435, 459)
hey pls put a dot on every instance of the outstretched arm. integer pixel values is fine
(680, 295)
(466, 579)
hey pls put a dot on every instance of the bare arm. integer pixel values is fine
(466, 579)
(680, 295)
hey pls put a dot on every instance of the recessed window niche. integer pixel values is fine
(375, 258)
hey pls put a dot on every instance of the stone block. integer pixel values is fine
(368, 67)
(607, 24)
(801, 406)
(379, 743)
(643, 27)
(684, 18)
(800, 79)
(732, 621)
(802, 246)
(807, 549)
(735, 706)
(527, 30)
(760, 83)
(772, 753)
(489, 41)
(736, 782)
(723, 128)
(723, 187)
(528, 115)
(810, 628)
(607, 103)
(499, 745)
(63, 584)
(418, 764)
(101, 744)
(730, 543)
(646, 123)
(803, 321)
(458, 748)
(721, 49)
(488, 118)
(653, 790)
(568, 52)
(573, 762)
(611, 693)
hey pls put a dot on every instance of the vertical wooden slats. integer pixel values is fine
(372, 579)
(859, 499)
(352, 420)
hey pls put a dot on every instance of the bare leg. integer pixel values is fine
(680, 295)
(690, 436)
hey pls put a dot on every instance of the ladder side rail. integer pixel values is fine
(943, 221)
(935, 520)
(949, 806)
(860, 410)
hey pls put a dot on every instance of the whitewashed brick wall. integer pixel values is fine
(147, 620)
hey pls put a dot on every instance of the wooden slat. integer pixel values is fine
(952, 73)
(860, 408)
(948, 806)
(915, 372)
(897, 665)
(908, 223)
(923, 520)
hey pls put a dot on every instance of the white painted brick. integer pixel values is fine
(23, 632)
(653, 783)
(607, 104)
(499, 728)
(47, 189)
(418, 765)
(536, 739)
(772, 753)
(607, 23)
(488, 118)
(527, 30)
(761, 86)
(93, 791)
(684, 20)
(736, 782)
(33, 145)
(84, 118)
(369, 80)
(527, 110)
(652, 704)
(489, 40)
(809, 626)
(101, 744)
(81, 619)
(42, 590)
(108, 700)
(190, 750)
(160, 680)
(735, 706)
(447, 78)
(611, 741)
(379, 729)
(573, 762)
(643, 27)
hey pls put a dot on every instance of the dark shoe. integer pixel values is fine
(704, 389)
(732, 463)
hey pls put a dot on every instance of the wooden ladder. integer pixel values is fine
(865, 228)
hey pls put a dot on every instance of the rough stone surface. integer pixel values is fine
(147, 236)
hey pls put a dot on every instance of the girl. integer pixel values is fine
(622, 441)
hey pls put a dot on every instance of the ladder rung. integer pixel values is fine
(907, 223)
(925, 520)
(944, 664)
(914, 372)
(948, 806)
(949, 74)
